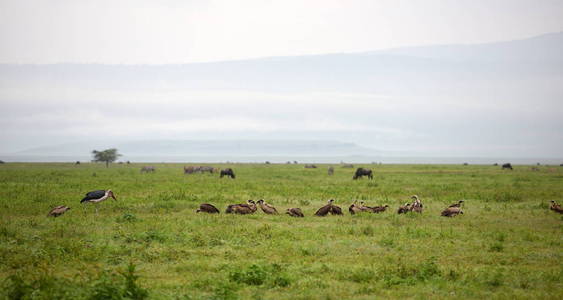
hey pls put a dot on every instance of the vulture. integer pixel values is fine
(267, 208)
(97, 197)
(556, 207)
(207, 208)
(458, 204)
(335, 210)
(416, 205)
(242, 209)
(295, 212)
(451, 211)
(403, 209)
(323, 211)
(58, 211)
(354, 208)
(379, 209)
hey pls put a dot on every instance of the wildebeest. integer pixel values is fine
(148, 169)
(495, 164)
(295, 162)
(200, 169)
(310, 166)
(57, 211)
(242, 209)
(267, 208)
(556, 207)
(465, 164)
(227, 172)
(77, 162)
(295, 212)
(330, 170)
(360, 172)
(451, 211)
(348, 166)
(507, 166)
(208, 208)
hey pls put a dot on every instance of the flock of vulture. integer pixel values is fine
(251, 207)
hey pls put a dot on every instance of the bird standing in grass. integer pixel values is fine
(58, 211)
(556, 207)
(97, 196)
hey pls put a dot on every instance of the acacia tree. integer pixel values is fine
(108, 156)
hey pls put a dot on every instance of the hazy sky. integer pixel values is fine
(466, 109)
(175, 31)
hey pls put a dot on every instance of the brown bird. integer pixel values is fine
(457, 204)
(58, 211)
(267, 208)
(207, 208)
(335, 210)
(355, 208)
(379, 209)
(556, 207)
(416, 206)
(404, 208)
(295, 212)
(242, 209)
(323, 211)
(451, 211)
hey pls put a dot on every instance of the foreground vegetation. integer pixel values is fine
(150, 243)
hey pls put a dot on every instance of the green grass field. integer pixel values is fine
(151, 243)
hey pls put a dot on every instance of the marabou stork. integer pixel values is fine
(97, 196)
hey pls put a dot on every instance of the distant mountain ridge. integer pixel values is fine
(207, 148)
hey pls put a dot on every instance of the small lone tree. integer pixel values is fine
(107, 156)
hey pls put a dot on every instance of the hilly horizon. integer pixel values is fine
(443, 100)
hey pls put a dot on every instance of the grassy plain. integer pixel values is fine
(508, 244)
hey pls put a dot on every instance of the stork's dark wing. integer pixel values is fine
(94, 195)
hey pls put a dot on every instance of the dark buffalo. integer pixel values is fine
(507, 166)
(361, 172)
(227, 172)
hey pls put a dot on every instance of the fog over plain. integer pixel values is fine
(494, 91)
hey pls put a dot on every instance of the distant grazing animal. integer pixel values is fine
(77, 162)
(495, 164)
(227, 172)
(323, 211)
(204, 169)
(465, 164)
(361, 172)
(403, 209)
(330, 170)
(556, 207)
(458, 204)
(267, 162)
(97, 197)
(242, 209)
(310, 166)
(354, 208)
(288, 162)
(295, 162)
(561, 165)
(2, 162)
(535, 169)
(451, 211)
(207, 208)
(58, 211)
(295, 212)
(348, 166)
(507, 166)
(148, 169)
(128, 162)
(267, 208)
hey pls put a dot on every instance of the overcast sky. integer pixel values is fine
(177, 31)
(438, 113)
